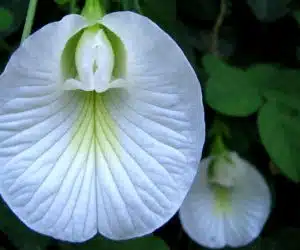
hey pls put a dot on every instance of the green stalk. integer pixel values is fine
(29, 19)
(138, 6)
(93, 10)
(73, 6)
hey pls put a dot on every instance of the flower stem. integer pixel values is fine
(218, 147)
(219, 128)
(138, 6)
(93, 10)
(29, 19)
(73, 6)
(217, 27)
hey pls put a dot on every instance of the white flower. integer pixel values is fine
(228, 204)
(101, 128)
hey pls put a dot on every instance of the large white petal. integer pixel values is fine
(238, 219)
(160, 123)
(35, 121)
(120, 162)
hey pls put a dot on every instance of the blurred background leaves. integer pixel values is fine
(19, 235)
(12, 13)
(269, 10)
(145, 243)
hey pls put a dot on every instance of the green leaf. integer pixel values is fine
(17, 9)
(269, 10)
(279, 128)
(263, 74)
(285, 88)
(214, 65)
(144, 243)
(6, 19)
(233, 91)
(132, 5)
(159, 11)
(232, 94)
(296, 15)
(20, 235)
(200, 9)
(62, 2)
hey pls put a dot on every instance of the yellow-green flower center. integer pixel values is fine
(223, 175)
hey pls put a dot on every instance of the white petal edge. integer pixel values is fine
(250, 207)
(151, 137)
